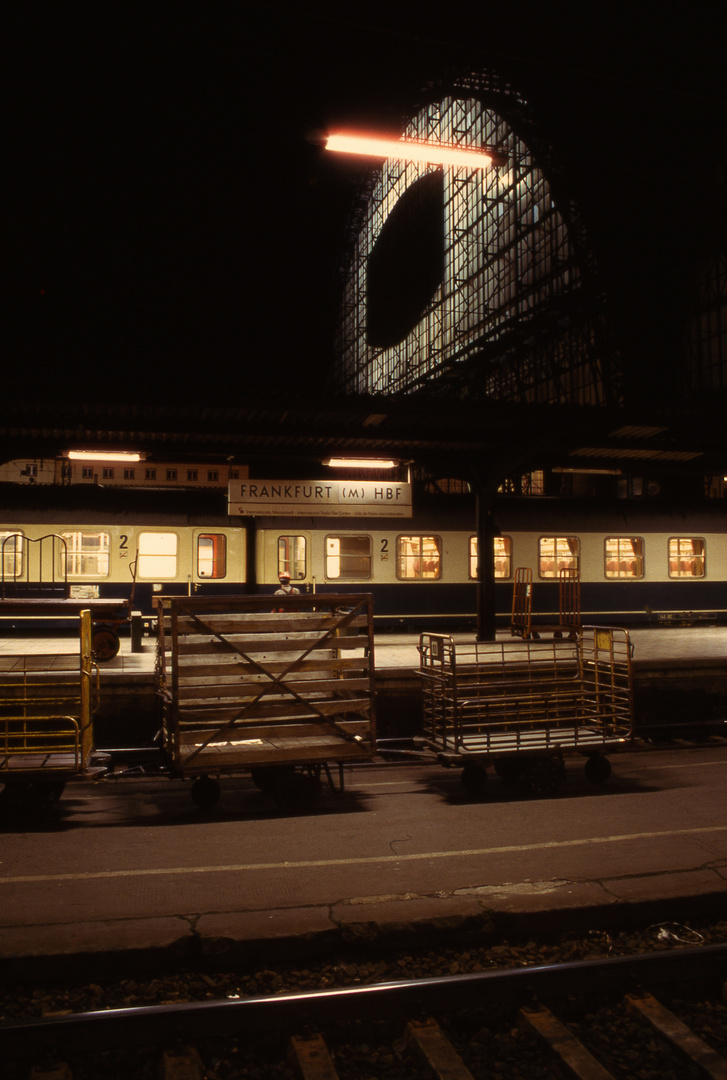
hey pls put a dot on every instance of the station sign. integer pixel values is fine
(319, 498)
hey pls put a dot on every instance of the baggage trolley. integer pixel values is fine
(279, 694)
(47, 704)
(521, 705)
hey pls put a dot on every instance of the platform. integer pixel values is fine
(128, 874)
(656, 644)
(678, 672)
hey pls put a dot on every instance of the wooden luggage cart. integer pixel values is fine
(279, 694)
(521, 705)
(47, 705)
(569, 605)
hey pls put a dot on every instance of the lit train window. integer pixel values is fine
(556, 553)
(418, 558)
(348, 557)
(292, 556)
(12, 555)
(157, 555)
(503, 557)
(624, 557)
(211, 555)
(86, 554)
(686, 556)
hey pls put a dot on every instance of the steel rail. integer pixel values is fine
(167, 1024)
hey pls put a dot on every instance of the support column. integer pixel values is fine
(486, 532)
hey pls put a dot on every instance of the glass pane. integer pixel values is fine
(556, 553)
(624, 557)
(348, 557)
(418, 557)
(686, 556)
(12, 555)
(292, 556)
(157, 555)
(503, 557)
(87, 554)
(211, 555)
(333, 557)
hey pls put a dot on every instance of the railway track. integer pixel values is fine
(660, 1014)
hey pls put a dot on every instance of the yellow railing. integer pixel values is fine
(47, 705)
(40, 735)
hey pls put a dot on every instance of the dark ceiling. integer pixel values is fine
(175, 235)
(446, 438)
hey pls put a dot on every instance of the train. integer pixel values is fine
(638, 560)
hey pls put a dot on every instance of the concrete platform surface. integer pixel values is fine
(391, 650)
(129, 872)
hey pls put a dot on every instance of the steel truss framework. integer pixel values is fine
(517, 315)
(707, 327)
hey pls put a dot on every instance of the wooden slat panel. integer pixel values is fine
(221, 666)
(197, 643)
(258, 623)
(246, 691)
(286, 708)
(27, 762)
(216, 759)
(223, 662)
(315, 685)
(257, 730)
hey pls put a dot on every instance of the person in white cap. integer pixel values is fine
(286, 589)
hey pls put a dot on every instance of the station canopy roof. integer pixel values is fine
(444, 435)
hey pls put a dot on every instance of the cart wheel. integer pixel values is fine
(265, 777)
(31, 797)
(598, 769)
(47, 793)
(544, 776)
(17, 796)
(474, 779)
(509, 769)
(205, 792)
(294, 792)
(105, 643)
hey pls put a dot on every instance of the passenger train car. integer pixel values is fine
(637, 560)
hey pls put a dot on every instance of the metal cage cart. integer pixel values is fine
(521, 705)
(280, 694)
(47, 704)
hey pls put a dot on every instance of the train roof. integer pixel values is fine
(552, 515)
(53, 501)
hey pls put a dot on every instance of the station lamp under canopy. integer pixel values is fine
(103, 455)
(360, 463)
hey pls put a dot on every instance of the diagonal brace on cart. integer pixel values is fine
(276, 681)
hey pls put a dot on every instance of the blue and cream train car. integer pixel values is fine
(637, 559)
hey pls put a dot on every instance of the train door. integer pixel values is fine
(217, 560)
(284, 549)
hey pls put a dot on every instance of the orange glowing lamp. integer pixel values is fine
(411, 150)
